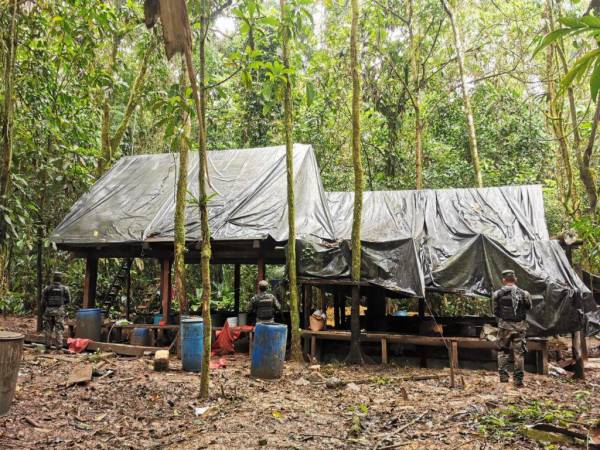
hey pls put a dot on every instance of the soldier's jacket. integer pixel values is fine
(264, 305)
(511, 303)
(54, 298)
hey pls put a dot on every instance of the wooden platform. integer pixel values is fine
(538, 345)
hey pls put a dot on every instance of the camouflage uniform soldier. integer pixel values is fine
(264, 304)
(511, 304)
(54, 298)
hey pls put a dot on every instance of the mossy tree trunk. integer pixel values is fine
(179, 288)
(203, 181)
(355, 355)
(296, 351)
(111, 144)
(6, 139)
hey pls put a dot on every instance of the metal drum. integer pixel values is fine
(88, 323)
(11, 351)
(268, 350)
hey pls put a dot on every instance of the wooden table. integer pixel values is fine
(539, 345)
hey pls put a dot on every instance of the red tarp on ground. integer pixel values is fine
(223, 345)
(77, 345)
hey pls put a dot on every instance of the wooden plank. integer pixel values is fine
(122, 349)
(89, 282)
(384, 351)
(147, 326)
(331, 282)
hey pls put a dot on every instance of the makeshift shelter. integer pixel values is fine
(129, 212)
(458, 240)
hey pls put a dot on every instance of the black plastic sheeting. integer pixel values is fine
(134, 202)
(458, 240)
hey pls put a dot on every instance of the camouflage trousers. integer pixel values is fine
(512, 345)
(53, 324)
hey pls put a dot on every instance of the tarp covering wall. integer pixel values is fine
(134, 202)
(459, 240)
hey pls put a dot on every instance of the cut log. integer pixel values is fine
(161, 360)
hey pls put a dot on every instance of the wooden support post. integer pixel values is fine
(542, 359)
(577, 355)
(236, 288)
(89, 282)
(584, 348)
(384, 352)
(313, 347)
(261, 269)
(165, 287)
(307, 299)
(128, 304)
(453, 356)
(421, 308)
(336, 309)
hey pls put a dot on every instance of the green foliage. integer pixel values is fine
(508, 422)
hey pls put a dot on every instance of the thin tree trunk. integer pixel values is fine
(296, 351)
(418, 146)
(355, 355)
(586, 173)
(179, 288)
(6, 137)
(466, 97)
(134, 97)
(202, 181)
(111, 144)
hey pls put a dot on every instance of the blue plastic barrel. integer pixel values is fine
(191, 332)
(140, 336)
(88, 323)
(268, 350)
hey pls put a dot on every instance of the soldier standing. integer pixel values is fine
(264, 304)
(54, 298)
(511, 304)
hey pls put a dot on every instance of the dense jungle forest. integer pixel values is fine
(454, 94)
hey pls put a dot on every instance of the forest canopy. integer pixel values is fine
(84, 82)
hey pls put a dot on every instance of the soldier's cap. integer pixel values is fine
(263, 283)
(508, 273)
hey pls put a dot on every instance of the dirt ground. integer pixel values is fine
(129, 405)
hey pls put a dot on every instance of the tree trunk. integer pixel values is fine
(355, 355)
(111, 144)
(466, 97)
(296, 351)
(179, 291)
(202, 181)
(418, 146)
(6, 144)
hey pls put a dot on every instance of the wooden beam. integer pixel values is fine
(336, 309)
(165, 288)
(237, 287)
(90, 282)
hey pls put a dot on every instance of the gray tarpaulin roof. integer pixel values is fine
(457, 240)
(135, 200)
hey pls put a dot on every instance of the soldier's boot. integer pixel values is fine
(503, 365)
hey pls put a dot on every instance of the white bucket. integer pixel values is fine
(232, 321)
